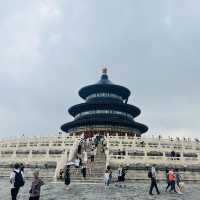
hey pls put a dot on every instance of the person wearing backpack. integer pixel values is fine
(16, 180)
(149, 173)
(152, 175)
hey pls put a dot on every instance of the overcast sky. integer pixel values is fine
(50, 49)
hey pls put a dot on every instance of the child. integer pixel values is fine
(35, 187)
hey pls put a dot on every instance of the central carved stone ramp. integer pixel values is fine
(98, 169)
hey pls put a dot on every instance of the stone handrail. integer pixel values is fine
(154, 160)
(63, 161)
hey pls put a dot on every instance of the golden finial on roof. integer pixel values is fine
(105, 69)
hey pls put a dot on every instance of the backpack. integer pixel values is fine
(149, 174)
(19, 180)
(123, 172)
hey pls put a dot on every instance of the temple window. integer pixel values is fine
(105, 94)
(91, 112)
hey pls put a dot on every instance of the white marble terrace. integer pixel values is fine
(37, 149)
(133, 150)
(147, 151)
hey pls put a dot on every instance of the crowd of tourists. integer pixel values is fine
(173, 177)
(83, 165)
(85, 158)
(121, 173)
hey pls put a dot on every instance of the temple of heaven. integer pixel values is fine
(105, 110)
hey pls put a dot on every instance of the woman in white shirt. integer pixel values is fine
(77, 164)
(106, 178)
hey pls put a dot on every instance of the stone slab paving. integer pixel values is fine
(82, 191)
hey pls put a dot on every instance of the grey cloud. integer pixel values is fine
(49, 49)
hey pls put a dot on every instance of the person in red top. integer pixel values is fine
(171, 181)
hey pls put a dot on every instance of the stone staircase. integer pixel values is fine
(98, 170)
(66, 158)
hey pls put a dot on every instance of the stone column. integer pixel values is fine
(164, 157)
(47, 154)
(127, 157)
(117, 135)
(108, 136)
(14, 155)
(30, 156)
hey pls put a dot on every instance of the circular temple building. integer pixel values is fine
(106, 110)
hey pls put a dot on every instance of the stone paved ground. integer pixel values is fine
(80, 191)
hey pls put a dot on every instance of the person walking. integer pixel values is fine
(110, 174)
(79, 148)
(172, 179)
(178, 178)
(77, 164)
(106, 178)
(84, 171)
(36, 187)
(169, 183)
(17, 181)
(92, 155)
(179, 182)
(152, 175)
(89, 166)
(61, 174)
(67, 177)
(123, 176)
(120, 176)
